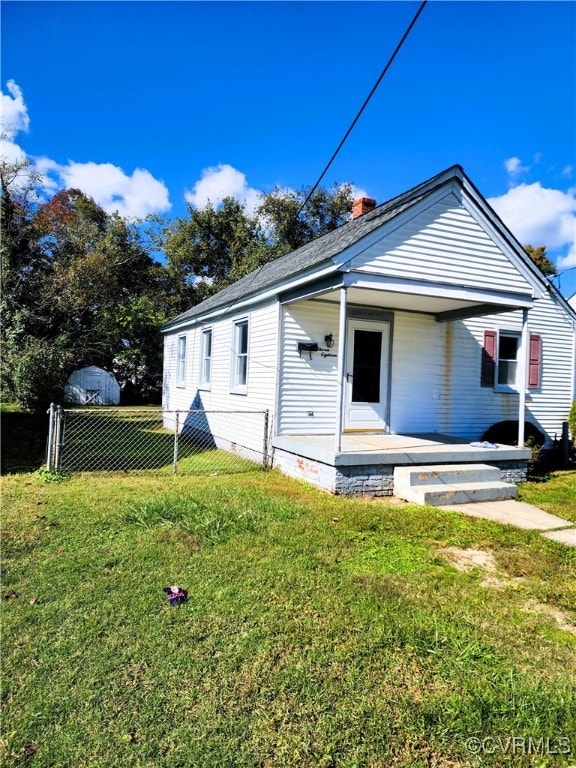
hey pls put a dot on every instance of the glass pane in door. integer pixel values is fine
(366, 368)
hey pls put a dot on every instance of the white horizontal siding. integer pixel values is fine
(475, 408)
(174, 396)
(261, 378)
(419, 382)
(443, 242)
(308, 385)
(419, 396)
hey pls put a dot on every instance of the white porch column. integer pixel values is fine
(523, 377)
(341, 369)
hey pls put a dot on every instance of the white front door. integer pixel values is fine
(367, 352)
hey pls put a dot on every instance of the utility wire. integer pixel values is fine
(363, 107)
(227, 308)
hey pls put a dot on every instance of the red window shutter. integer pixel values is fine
(535, 361)
(489, 359)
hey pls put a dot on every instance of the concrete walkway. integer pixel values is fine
(521, 515)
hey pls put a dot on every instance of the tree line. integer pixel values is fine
(81, 286)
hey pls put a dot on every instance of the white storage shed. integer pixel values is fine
(92, 386)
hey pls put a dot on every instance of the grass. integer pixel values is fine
(554, 493)
(319, 631)
(104, 439)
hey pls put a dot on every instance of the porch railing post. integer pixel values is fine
(341, 372)
(523, 378)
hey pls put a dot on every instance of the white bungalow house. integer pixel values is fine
(396, 340)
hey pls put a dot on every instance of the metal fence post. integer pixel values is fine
(58, 439)
(50, 444)
(175, 460)
(265, 449)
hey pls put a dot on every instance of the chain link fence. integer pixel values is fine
(126, 439)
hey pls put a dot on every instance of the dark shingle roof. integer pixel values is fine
(317, 251)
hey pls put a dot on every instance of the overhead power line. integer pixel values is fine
(363, 107)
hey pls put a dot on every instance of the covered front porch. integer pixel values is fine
(365, 463)
(387, 357)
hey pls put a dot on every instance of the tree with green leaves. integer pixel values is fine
(79, 288)
(294, 218)
(34, 366)
(215, 245)
(539, 257)
(211, 244)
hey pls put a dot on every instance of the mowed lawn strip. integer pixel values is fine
(318, 632)
(555, 493)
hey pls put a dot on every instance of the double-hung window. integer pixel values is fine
(206, 358)
(501, 356)
(507, 363)
(181, 362)
(239, 377)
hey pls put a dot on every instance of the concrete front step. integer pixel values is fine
(430, 474)
(463, 493)
(451, 484)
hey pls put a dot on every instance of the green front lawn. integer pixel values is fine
(556, 494)
(319, 631)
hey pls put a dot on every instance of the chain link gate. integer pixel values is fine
(123, 439)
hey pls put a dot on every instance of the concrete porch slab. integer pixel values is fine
(511, 512)
(364, 449)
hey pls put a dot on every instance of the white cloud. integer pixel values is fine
(222, 181)
(14, 111)
(133, 196)
(541, 216)
(358, 192)
(568, 261)
(13, 120)
(514, 166)
(45, 166)
(11, 152)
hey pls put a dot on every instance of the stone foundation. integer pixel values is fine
(512, 471)
(366, 479)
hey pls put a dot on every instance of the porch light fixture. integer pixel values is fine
(329, 339)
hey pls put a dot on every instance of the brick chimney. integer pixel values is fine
(362, 206)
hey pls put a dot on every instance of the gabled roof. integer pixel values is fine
(324, 250)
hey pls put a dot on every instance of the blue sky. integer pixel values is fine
(147, 105)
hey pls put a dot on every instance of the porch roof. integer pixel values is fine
(444, 301)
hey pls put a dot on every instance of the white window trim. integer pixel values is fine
(181, 360)
(515, 388)
(206, 383)
(235, 388)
